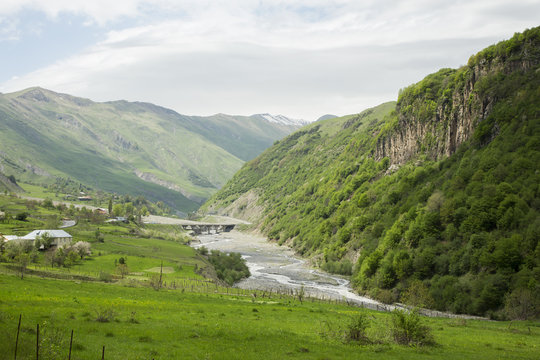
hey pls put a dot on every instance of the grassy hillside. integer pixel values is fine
(244, 137)
(435, 202)
(127, 148)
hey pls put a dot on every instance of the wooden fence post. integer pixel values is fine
(37, 342)
(70, 345)
(17, 340)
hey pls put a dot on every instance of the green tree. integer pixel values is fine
(118, 210)
(22, 260)
(128, 209)
(122, 269)
(82, 248)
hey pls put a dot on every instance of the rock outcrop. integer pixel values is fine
(463, 101)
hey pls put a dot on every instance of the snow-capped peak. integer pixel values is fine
(284, 120)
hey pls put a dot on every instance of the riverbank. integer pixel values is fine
(276, 268)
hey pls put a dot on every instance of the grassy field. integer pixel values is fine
(140, 323)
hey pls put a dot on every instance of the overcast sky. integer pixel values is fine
(302, 58)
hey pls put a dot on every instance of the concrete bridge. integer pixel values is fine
(199, 228)
(218, 224)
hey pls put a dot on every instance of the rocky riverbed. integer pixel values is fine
(276, 268)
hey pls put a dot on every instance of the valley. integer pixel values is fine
(265, 237)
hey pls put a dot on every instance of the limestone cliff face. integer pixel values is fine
(437, 123)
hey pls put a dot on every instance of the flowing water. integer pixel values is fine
(276, 268)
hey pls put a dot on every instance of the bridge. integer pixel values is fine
(220, 224)
(200, 228)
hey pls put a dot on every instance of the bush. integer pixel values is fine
(155, 282)
(105, 314)
(522, 304)
(407, 329)
(52, 341)
(21, 216)
(229, 267)
(356, 329)
(105, 276)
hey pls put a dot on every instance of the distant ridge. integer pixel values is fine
(281, 119)
(134, 148)
(327, 117)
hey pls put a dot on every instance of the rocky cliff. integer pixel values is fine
(442, 111)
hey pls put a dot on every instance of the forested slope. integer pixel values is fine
(435, 202)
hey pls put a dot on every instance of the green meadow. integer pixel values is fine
(141, 323)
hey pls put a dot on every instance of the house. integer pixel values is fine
(118, 219)
(59, 238)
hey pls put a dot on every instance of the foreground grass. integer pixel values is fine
(172, 324)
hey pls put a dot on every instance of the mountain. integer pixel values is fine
(243, 136)
(433, 200)
(280, 120)
(127, 147)
(327, 117)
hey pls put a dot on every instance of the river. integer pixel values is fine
(276, 267)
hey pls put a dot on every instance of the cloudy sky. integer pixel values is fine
(301, 58)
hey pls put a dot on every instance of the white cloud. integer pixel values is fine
(99, 11)
(302, 58)
(8, 29)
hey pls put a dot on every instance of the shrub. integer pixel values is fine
(521, 304)
(229, 267)
(407, 329)
(21, 216)
(356, 329)
(52, 341)
(105, 276)
(155, 282)
(105, 314)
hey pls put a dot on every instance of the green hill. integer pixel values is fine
(433, 200)
(124, 147)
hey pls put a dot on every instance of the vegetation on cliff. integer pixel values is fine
(450, 219)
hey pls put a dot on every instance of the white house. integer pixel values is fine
(59, 237)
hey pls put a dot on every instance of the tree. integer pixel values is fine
(3, 243)
(59, 256)
(521, 304)
(22, 260)
(70, 258)
(417, 295)
(110, 208)
(128, 209)
(99, 236)
(44, 240)
(82, 248)
(118, 210)
(21, 216)
(47, 203)
(122, 269)
(144, 211)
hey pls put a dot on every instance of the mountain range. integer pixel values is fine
(129, 147)
(433, 200)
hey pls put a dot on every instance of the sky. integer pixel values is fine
(302, 58)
